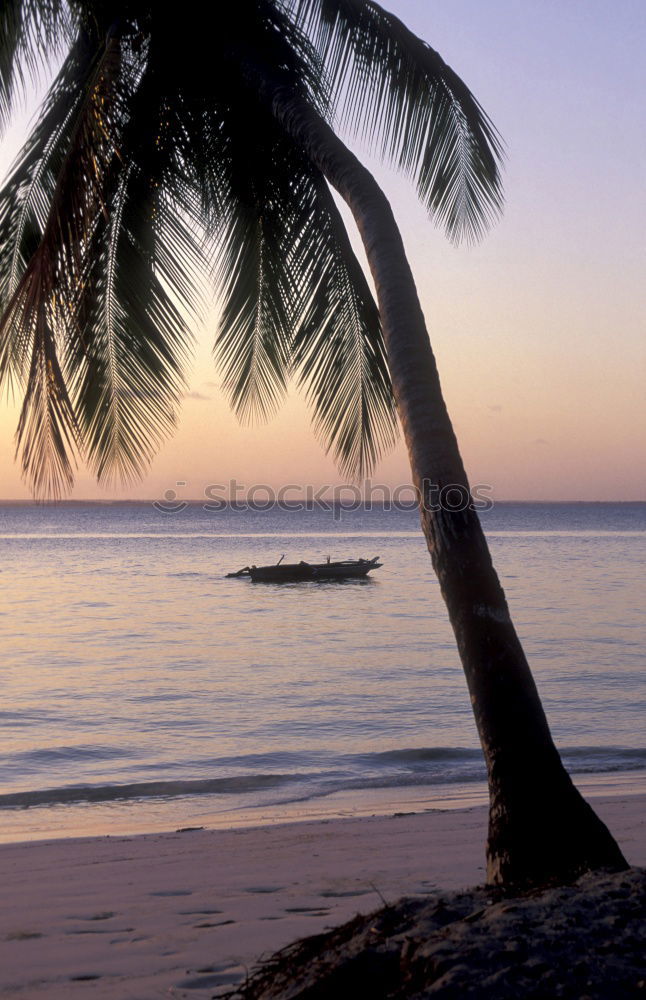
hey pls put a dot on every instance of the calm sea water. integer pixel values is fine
(142, 689)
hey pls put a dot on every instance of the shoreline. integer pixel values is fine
(117, 818)
(186, 914)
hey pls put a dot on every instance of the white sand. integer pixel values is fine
(181, 915)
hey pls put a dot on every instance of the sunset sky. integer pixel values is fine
(539, 331)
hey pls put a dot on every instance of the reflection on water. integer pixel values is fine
(129, 659)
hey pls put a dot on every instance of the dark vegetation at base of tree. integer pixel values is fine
(584, 941)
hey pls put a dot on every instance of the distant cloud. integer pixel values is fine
(540, 442)
(195, 395)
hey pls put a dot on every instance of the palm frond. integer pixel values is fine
(32, 33)
(296, 299)
(338, 352)
(100, 270)
(39, 310)
(141, 297)
(252, 344)
(47, 435)
(27, 197)
(128, 364)
(243, 175)
(399, 95)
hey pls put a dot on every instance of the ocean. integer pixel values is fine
(143, 690)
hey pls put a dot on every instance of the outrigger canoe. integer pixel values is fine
(295, 572)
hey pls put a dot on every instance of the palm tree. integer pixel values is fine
(163, 156)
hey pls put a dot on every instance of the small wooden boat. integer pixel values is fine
(281, 572)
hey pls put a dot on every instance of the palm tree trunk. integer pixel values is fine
(540, 828)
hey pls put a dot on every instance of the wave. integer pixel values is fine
(143, 790)
(587, 760)
(306, 776)
(428, 754)
(68, 754)
(578, 759)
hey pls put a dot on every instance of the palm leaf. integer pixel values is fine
(255, 323)
(141, 297)
(39, 310)
(106, 270)
(399, 95)
(339, 352)
(296, 298)
(47, 434)
(289, 248)
(252, 263)
(129, 362)
(32, 33)
(27, 198)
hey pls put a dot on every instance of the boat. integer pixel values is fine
(346, 569)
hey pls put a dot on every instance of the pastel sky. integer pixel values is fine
(540, 330)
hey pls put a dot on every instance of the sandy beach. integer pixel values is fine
(186, 914)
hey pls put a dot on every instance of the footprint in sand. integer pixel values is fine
(172, 892)
(344, 893)
(212, 976)
(198, 913)
(308, 911)
(94, 918)
(214, 923)
(91, 930)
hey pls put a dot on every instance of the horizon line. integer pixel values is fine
(286, 503)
